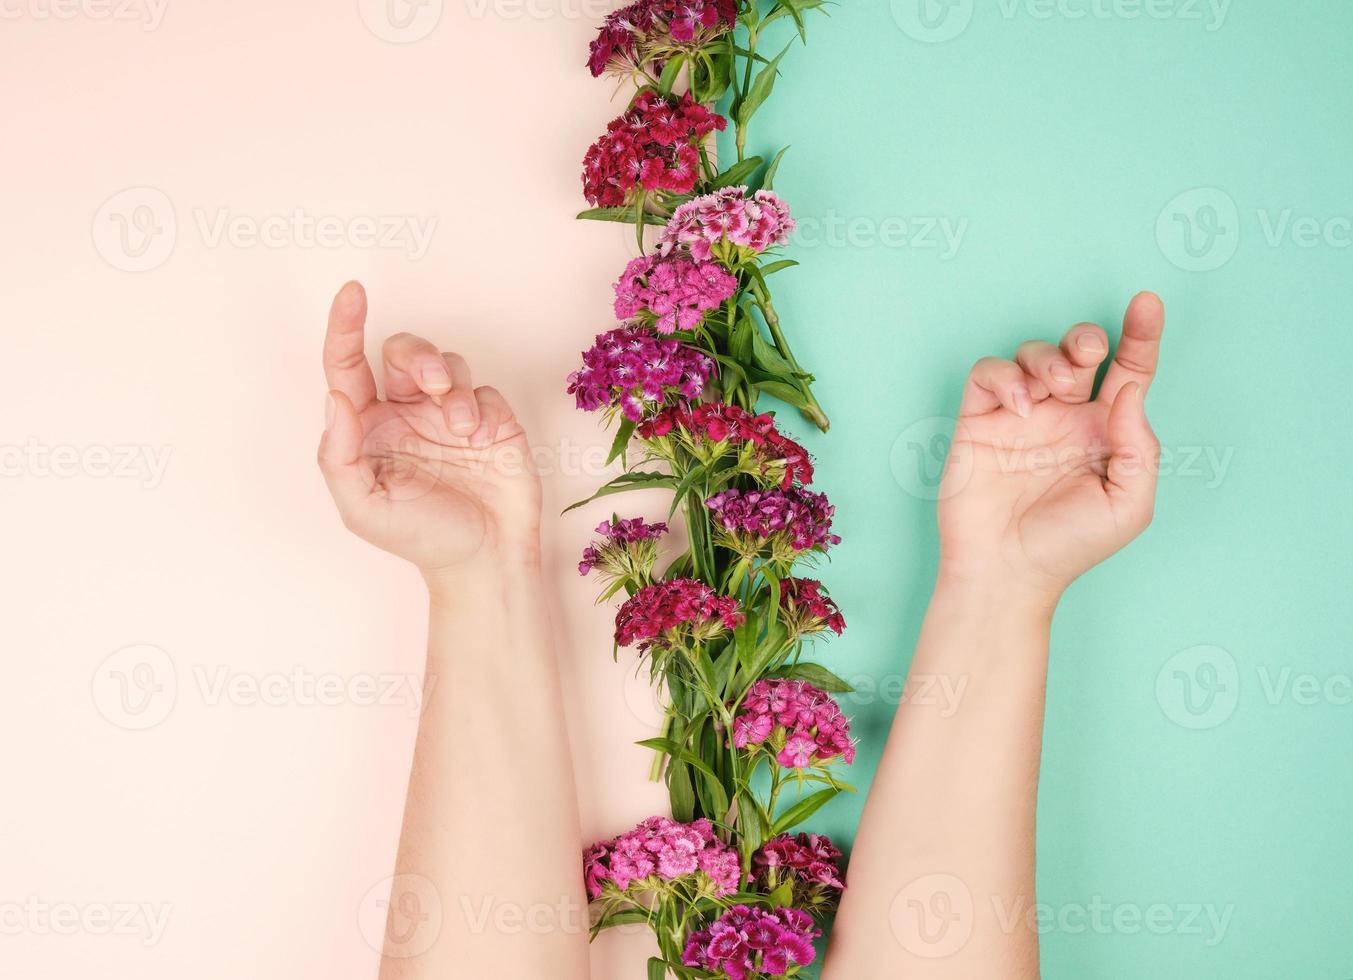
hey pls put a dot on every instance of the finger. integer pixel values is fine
(460, 406)
(1134, 456)
(494, 413)
(349, 476)
(1063, 380)
(345, 365)
(1138, 348)
(414, 369)
(994, 383)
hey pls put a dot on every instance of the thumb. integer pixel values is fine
(348, 475)
(1134, 456)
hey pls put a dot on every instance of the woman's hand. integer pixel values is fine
(1042, 482)
(439, 471)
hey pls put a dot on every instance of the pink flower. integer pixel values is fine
(661, 850)
(792, 521)
(675, 292)
(674, 611)
(808, 609)
(728, 217)
(807, 858)
(651, 146)
(643, 33)
(628, 548)
(746, 941)
(632, 369)
(775, 454)
(802, 725)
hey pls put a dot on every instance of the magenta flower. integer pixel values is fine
(802, 726)
(791, 521)
(808, 609)
(652, 146)
(709, 225)
(627, 548)
(674, 611)
(638, 372)
(746, 942)
(644, 33)
(674, 291)
(773, 454)
(660, 851)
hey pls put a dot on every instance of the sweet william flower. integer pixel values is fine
(633, 370)
(672, 612)
(808, 609)
(747, 943)
(641, 36)
(651, 147)
(808, 862)
(711, 428)
(789, 522)
(660, 852)
(674, 291)
(802, 726)
(627, 549)
(728, 225)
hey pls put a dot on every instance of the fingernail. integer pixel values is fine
(435, 378)
(1023, 406)
(328, 412)
(459, 417)
(1062, 372)
(1091, 344)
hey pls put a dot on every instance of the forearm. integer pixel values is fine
(492, 818)
(949, 823)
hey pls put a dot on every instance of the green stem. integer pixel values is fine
(812, 409)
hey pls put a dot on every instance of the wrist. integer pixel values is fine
(489, 570)
(995, 591)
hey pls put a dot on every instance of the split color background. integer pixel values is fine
(967, 174)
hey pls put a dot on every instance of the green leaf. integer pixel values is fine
(669, 74)
(783, 896)
(737, 173)
(815, 674)
(762, 86)
(750, 822)
(688, 481)
(768, 358)
(802, 810)
(607, 214)
(768, 181)
(678, 752)
(657, 968)
(622, 439)
(774, 267)
(683, 796)
(786, 393)
(628, 481)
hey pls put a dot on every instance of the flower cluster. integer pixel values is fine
(675, 290)
(633, 369)
(802, 725)
(712, 223)
(662, 850)
(719, 425)
(747, 942)
(640, 36)
(651, 146)
(667, 613)
(627, 550)
(808, 609)
(809, 862)
(791, 521)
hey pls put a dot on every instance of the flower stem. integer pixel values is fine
(811, 408)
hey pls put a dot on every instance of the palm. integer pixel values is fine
(436, 472)
(1042, 482)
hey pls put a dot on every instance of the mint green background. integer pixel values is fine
(1060, 141)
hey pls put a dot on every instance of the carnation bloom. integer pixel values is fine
(670, 612)
(661, 851)
(747, 942)
(675, 291)
(728, 225)
(789, 521)
(801, 725)
(627, 550)
(652, 146)
(642, 35)
(808, 609)
(711, 428)
(633, 369)
(808, 861)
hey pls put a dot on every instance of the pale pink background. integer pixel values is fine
(262, 826)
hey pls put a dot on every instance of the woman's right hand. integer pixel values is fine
(439, 471)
